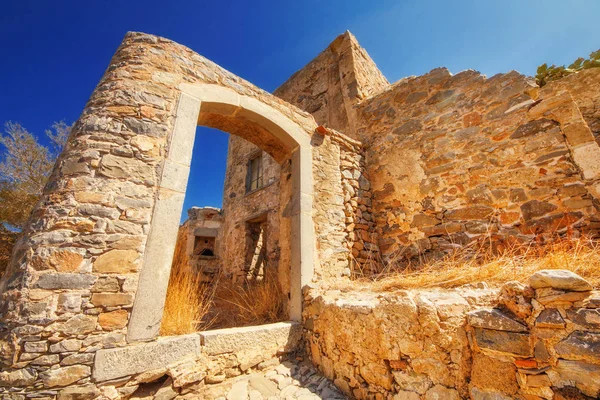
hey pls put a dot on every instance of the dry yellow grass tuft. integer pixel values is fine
(188, 300)
(479, 263)
(249, 302)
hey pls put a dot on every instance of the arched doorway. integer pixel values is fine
(222, 108)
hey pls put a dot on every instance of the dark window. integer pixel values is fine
(254, 179)
(204, 246)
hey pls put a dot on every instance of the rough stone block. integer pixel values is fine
(579, 344)
(68, 345)
(550, 318)
(111, 299)
(586, 376)
(561, 279)
(113, 320)
(506, 342)
(65, 281)
(126, 168)
(134, 359)
(495, 319)
(280, 335)
(65, 376)
(587, 318)
(19, 377)
(76, 325)
(116, 262)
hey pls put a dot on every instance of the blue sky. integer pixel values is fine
(54, 53)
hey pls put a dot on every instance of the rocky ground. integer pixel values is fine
(290, 380)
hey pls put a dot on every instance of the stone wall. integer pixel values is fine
(343, 219)
(239, 207)
(333, 83)
(202, 231)
(540, 341)
(584, 87)
(75, 275)
(543, 340)
(182, 365)
(412, 344)
(455, 157)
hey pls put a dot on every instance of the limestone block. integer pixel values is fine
(134, 359)
(495, 319)
(67, 345)
(65, 376)
(36, 347)
(113, 166)
(579, 344)
(506, 342)
(439, 392)
(113, 320)
(78, 358)
(270, 337)
(412, 382)
(111, 299)
(65, 281)
(116, 262)
(19, 377)
(77, 325)
(587, 157)
(585, 376)
(561, 279)
(69, 302)
(79, 393)
(587, 318)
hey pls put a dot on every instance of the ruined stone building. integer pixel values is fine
(337, 172)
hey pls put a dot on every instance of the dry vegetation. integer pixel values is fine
(493, 265)
(188, 300)
(193, 306)
(249, 303)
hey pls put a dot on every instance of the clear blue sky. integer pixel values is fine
(54, 52)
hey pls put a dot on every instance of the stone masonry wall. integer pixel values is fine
(411, 344)
(540, 341)
(584, 87)
(239, 206)
(333, 83)
(72, 281)
(343, 222)
(454, 157)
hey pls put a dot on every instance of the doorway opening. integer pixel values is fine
(278, 132)
(225, 268)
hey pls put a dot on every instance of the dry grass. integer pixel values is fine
(249, 302)
(193, 306)
(479, 263)
(188, 300)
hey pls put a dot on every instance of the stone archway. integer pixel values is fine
(92, 267)
(222, 108)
